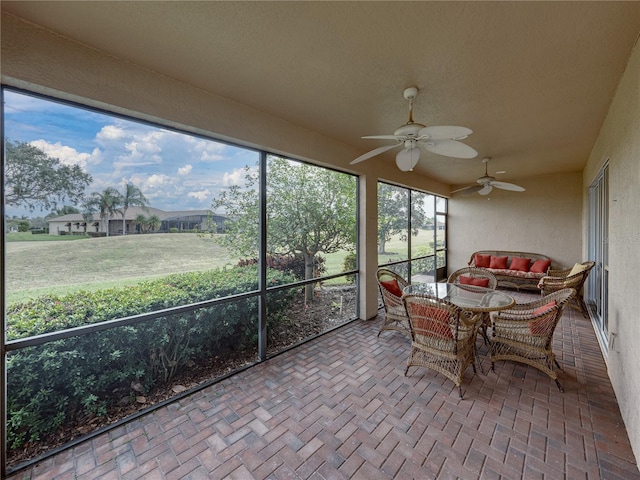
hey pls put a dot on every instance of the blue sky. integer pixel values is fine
(174, 171)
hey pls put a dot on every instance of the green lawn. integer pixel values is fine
(45, 264)
(35, 268)
(396, 249)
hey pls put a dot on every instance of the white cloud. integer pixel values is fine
(186, 170)
(67, 155)
(236, 177)
(109, 133)
(157, 180)
(207, 150)
(201, 195)
(209, 156)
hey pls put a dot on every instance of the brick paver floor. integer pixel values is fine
(340, 407)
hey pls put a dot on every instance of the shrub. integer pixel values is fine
(292, 264)
(173, 230)
(71, 380)
(349, 263)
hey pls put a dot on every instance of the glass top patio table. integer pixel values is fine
(468, 297)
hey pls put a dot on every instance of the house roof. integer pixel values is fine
(534, 80)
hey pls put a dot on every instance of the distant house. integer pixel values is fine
(186, 220)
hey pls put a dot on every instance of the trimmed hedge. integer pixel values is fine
(69, 381)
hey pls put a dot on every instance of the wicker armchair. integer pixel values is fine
(524, 333)
(442, 337)
(559, 279)
(471, 276)
(391, 285)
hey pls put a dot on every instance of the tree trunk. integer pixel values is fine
(381, 245)
(308, 274)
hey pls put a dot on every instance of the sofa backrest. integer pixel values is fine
(502, 253)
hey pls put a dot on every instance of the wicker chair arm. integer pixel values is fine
(555, 283)
(391, 300)
(519, 318)
(536, 331)
(526, 309)
(558, 273)
(504, 321)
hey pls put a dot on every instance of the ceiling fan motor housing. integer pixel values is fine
(409, 130)
(485, 179)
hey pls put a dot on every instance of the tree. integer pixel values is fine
(141, 221)
(148, 224)
(309, 210)
(34, 179)
(393, 214)
(106, 203)
(132, 197)
(64, 210)
(154, 222)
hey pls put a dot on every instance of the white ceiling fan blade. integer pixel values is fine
(507, 186)
(450, 148)
(446, 132)
(374, 152)
(469, 190)
(386, 137)
(486, 190)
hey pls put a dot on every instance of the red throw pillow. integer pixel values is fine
(430, 321)
(479, 282)
(482, 260)
(498, 262)
(539, 326)
(520, 264)
(393, 287)
(540, 266)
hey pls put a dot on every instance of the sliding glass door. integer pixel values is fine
(598, 250)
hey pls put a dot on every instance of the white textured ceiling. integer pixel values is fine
(533, 80)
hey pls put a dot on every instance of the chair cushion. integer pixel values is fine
(498, 262)
(540, 325)
(479, 282)
(392, 287)
(577, 268)
(540, 266)
(436, 323)
(520, 264)
(482, 260)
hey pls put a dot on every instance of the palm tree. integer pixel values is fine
(106, 203)
(154, 222)
(142, 221)
(132, 197)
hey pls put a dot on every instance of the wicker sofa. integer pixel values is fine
(520, 270)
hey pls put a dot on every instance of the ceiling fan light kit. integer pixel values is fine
(407, 159)
(442, 140)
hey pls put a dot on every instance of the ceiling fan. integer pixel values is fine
(486, 184)
(443, 140)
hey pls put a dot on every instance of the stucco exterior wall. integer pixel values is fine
(545, 219)
(619, 143)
